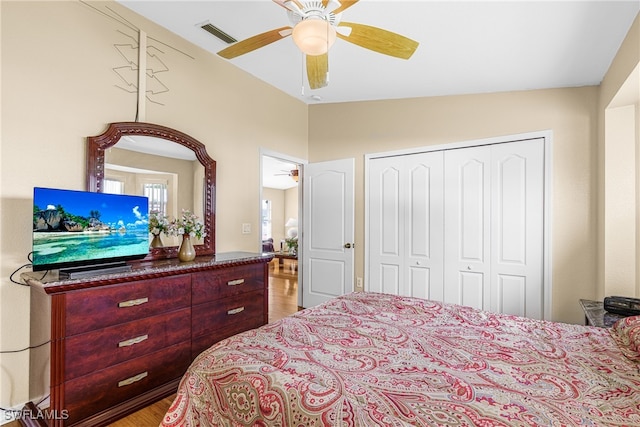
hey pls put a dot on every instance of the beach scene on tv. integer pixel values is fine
(76, 226)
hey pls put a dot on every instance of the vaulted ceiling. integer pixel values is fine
(465, 47)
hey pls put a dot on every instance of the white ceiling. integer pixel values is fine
(465, 47)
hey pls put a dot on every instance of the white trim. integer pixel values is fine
(301, 162)
(548, 222)
(462, 144)
(547, 135)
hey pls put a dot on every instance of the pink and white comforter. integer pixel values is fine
(380, 360)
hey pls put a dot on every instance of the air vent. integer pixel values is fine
(218, 33)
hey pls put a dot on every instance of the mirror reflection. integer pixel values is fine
(168, 174)
(170, 167)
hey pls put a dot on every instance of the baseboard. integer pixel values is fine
(32, 410)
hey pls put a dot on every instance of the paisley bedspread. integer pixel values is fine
(368, 359)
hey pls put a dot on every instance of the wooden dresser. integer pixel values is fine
(120, 342)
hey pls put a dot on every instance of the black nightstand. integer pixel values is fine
(596, 315)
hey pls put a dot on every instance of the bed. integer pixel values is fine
(369, 359)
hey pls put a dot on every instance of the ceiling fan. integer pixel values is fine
(292, 173)
(315, 24)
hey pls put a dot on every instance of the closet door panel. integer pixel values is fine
(511, 292)
(471, 289)
(386, 230)
(467, 228)
(517, 228)
(424, 225)
(390, 279)
(421, 285)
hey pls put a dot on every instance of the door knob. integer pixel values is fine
(348, 245)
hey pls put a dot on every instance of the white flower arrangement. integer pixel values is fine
(158, 224)
(187, 224)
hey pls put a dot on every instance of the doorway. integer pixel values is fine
(280, 211)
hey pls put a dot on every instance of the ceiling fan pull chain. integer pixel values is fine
(327, 75)
(302, 76)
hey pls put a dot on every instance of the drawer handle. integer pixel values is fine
(133, 302)
(235, 282)
(236, 310)
(132, 341)
(133, 379)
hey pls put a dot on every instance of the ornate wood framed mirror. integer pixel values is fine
(149, 158)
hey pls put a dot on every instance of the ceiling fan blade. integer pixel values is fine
(317, 68)
(379, 40)
(330, 6)
(290, 5)
(255, 42)
(345, 5)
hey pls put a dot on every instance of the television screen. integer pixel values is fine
(81, 228)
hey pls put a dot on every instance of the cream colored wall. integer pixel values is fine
(570, 113)
(59, 86)
(620, 200)
(619, 129)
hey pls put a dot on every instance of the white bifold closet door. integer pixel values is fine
(494, 227)
(463, 226)
(406, 234)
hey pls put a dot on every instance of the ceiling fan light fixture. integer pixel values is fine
(314, 36)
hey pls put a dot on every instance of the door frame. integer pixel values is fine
(546, 135)
(301, 163)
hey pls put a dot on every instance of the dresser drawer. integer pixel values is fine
(203, 342)
(227, 282)
(91, 309)
(93, 393)
(96, 350)
(227, 316)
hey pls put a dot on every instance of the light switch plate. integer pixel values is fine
(246, 228)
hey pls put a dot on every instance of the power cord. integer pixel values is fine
(31, 347)
(20, 411)
(29, 258)
(24, 284)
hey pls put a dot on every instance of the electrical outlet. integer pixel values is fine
(359, 285)
(246, 228)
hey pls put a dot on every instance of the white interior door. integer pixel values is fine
(328, 230)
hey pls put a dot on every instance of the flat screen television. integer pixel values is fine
(84, 233)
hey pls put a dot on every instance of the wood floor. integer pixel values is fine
(283, 301)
